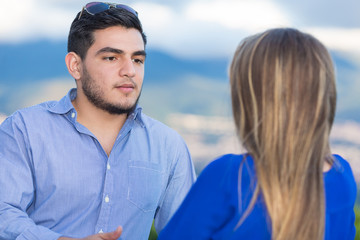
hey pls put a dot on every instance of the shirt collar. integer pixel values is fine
(138, 115)
(64, 106)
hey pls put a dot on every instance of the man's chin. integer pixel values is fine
(126, 107)
(119, 109)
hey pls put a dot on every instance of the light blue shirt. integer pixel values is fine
(56, 179)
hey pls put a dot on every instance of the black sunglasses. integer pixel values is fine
(98, 7)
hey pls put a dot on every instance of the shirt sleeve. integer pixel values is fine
(17, 185)
(180, 181)
(206, 208)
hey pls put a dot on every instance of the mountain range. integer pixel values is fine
(171, 84)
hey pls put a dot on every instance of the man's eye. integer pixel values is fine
(110, 58)
(137, 60)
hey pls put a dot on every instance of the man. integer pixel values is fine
(83, 166)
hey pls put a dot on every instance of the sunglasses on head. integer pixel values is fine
(98, 7)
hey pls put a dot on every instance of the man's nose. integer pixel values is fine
(128, 68)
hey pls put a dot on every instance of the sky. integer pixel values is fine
(194, 28)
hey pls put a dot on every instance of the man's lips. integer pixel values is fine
(126, 87)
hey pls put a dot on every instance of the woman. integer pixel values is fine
(288, 185)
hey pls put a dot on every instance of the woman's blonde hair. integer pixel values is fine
(283, 98)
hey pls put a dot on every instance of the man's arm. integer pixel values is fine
(16, 181)
(181, 179)
(17, 191)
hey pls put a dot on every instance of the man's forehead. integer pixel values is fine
(117, 31)
(118, 38)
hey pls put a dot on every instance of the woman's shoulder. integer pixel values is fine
(224, 161)
(340, 172)
(224, 165)
(222, 172)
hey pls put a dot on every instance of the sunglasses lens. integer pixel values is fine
(127, 8)
(96, 7)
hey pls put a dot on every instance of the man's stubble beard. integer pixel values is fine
(95, 95)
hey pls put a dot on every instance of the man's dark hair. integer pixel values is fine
(81, 35)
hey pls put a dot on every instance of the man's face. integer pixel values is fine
(113, 69)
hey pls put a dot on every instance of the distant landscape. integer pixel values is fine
(190, 95)
(196, 86)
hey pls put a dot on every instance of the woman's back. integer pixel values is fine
(213, 206)
(283, 95)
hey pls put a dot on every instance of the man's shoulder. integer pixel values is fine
(38, 108)
(32, 112)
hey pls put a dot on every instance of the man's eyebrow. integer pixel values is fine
(109, 50)
(139, 53)
(118, 51)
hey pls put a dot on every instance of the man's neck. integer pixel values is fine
(104, 125)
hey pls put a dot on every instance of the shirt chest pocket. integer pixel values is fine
(146, 181)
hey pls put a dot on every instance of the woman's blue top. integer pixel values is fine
(212, 208)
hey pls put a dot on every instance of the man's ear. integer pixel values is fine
(73, 64)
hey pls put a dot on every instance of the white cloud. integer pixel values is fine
(154, 15)
(33, 19)
(199, 28)
(174, 31)
(13, 20)
(341, 39)
(214, 28)
(234, 14)
(346, 132)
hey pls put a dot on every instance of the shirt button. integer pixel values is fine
(101, 231)
(107, 199)
(73, 115)
(108, 166)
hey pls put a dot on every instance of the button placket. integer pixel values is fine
(105, 210)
